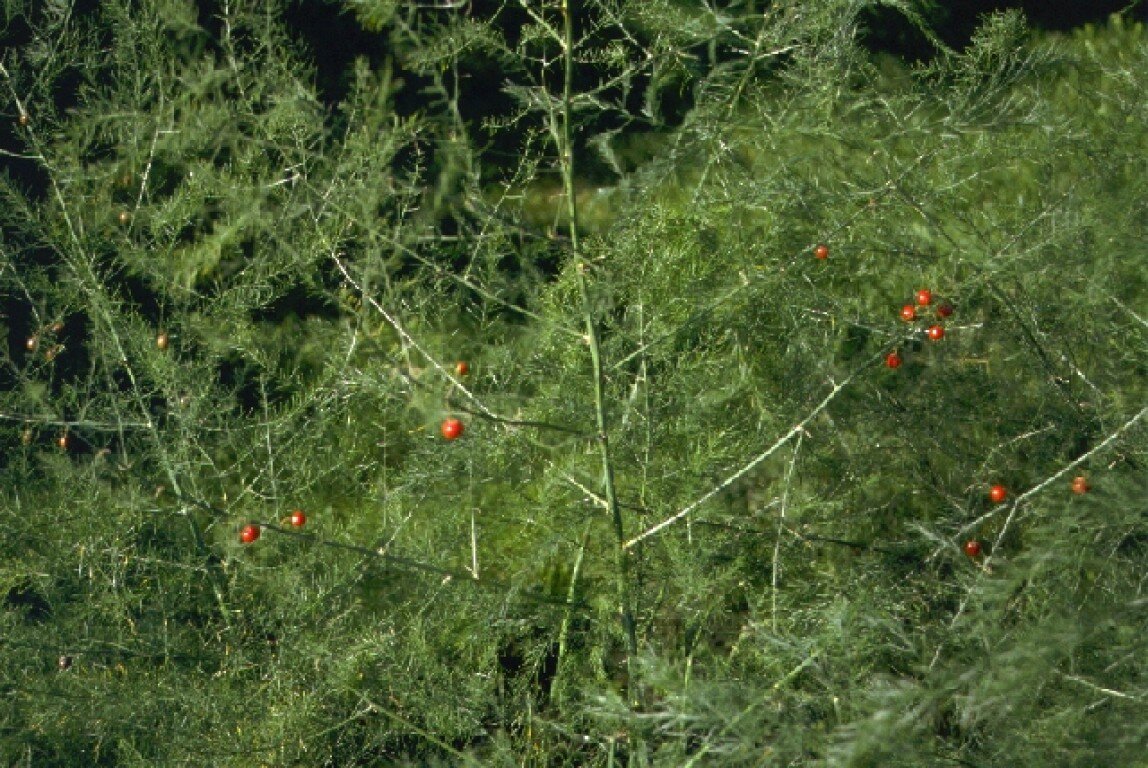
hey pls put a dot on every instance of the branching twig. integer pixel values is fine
(94, 426)
(1049, 480)
(411, 341)
(793, 432)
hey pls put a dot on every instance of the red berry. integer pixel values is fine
(298, 519)
(1080, 485)
(249, 534)
(908, 313)
(945, 310)
(972, 548)
(821, 251)
(998, 493)
(936, 332)
(452, 429)
(924, 297)
(461, 368)
(893, 360)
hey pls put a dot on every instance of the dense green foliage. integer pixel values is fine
(694, 517)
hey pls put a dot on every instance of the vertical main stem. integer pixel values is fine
(622, 564)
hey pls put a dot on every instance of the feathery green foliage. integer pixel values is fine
(694, 517)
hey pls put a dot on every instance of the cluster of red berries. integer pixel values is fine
(252, 531)
(910, 313)
(924, 298)
(998, 493)
(453, 428)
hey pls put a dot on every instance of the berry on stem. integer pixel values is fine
(998, 493)
(452, 429)
(821, 251)
(23, 119)
(945, 310)
(936, 332)
(250, 534)
(908, 313)
(125, 217)
(1080, 485)
(972, 548)
(31, 343)
(924, 297)
(62, 441)
(461, 368)
(298, 519)
(162, 340)
(893, 360)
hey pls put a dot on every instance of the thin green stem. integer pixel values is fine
(571, 598)
(621, 556)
